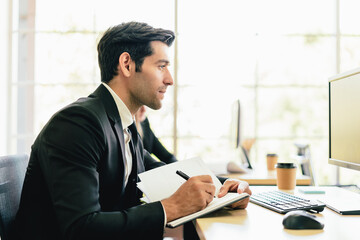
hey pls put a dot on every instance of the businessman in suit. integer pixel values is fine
(84, 164)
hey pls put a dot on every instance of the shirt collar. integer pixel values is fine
(124, 112)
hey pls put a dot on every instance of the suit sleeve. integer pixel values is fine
(162, 153)
(154, 146)
(150, 162)
(73, 144)
(222, 179)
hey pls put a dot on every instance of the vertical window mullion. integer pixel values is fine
(9, 77)
(26, 64)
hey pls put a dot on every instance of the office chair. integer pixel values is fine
(12, 174)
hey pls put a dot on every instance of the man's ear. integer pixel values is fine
(125, 64)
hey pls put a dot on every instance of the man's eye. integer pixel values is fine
(162, 67)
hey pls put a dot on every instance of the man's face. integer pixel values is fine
(148, 87)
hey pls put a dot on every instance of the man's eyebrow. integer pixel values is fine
(163, 61)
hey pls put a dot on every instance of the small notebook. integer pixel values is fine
(160, 183)
(216, 204)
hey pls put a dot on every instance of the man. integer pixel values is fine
(84, 164)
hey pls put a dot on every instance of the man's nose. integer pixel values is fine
(169, 79)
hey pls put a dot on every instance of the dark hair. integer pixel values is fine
(133, 38)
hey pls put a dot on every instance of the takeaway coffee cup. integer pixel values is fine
(286, 176)
(271, 160)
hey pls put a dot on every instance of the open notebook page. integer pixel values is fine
(162, 182)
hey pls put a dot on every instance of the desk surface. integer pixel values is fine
(256, 222)
(265, 177)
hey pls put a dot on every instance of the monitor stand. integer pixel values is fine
(342, 201)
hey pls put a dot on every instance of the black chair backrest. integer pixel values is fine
(12, 174)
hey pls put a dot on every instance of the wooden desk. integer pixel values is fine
(256, 222)
(265, 177)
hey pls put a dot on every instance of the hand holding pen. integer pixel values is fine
(193, 195)
(184, 176)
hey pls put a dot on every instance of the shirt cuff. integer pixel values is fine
(165, 221)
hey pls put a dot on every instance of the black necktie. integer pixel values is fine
(133, 140)
(132, 191)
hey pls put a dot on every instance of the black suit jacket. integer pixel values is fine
(74, 186)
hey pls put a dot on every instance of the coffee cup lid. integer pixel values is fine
(271, 155)
(285, 165)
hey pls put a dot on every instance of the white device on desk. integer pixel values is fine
(235, 167)
(341, 200)
(241, 165)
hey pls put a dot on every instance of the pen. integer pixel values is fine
(182, 174)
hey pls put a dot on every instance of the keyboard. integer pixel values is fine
(282, 202)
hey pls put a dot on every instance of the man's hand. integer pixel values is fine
(194, 195)
(234, 185)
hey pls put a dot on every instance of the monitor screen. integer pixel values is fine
(344, 119)
(235, 127)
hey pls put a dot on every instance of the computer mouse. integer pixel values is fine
(301, 220)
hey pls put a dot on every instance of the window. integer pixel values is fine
(276, 62)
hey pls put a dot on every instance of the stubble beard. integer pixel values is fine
(155, 105)
(155, 102)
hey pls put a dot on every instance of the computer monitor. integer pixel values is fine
(344, 119)
(344, 134)
(236, 135)
(236, 124)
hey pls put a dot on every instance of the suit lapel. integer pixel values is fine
(120, 135)
(113, 114)
(135, 145)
